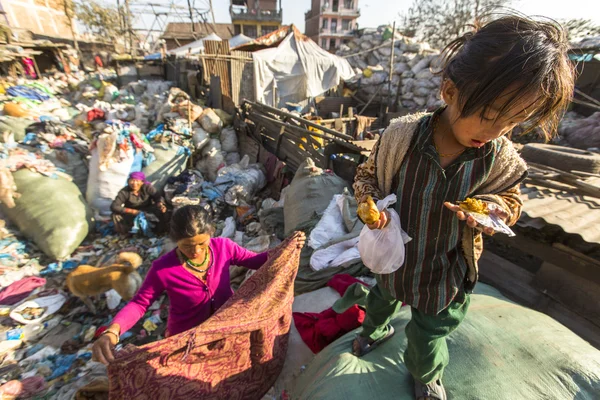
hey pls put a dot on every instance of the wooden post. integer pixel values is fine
(391, 66)
(37, 69)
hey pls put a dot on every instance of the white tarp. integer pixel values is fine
(239, 40)
(298, 68)
(194, 47)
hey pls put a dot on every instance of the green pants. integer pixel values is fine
(426, 354)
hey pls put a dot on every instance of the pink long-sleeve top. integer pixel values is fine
(191, 301)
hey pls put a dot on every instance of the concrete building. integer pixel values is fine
(41, 17)
(255, 18)
(331, 23)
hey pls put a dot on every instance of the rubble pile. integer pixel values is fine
(414, 82)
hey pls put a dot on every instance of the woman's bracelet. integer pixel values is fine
(114, 333)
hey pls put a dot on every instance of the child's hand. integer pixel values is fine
(471, 221)
(384, 220)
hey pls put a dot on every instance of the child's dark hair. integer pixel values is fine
(190, 221)
(513, 52)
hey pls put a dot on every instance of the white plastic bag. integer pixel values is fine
(229, 229)
(382, 250)
(43, 307)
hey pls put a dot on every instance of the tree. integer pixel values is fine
(440, 21)
(581, 28)
(100, 20)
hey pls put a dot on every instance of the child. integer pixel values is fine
(511, 71)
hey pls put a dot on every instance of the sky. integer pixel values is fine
(383, 12)
(380, 12)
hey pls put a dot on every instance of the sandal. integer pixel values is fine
(366, 347)
(432, 391)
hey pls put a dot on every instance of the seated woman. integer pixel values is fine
(138, 196)
(195, 276)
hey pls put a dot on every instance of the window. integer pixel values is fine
(325, 24)
(237, 29)
(345, 25)
(348, 5)
(268, 29)
(250, 31)
(324, 43)
(335, 6)
(333, 25)
(331, 44)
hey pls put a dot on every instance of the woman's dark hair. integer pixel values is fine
(190, 221)
(513, 52)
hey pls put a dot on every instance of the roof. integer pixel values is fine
(194, 47)
(183, 30)
(578, 215)
(272, 39)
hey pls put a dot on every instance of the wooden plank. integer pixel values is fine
(576, 293)
(515, 282)
(300, 120)
(509, 278)
(577, 265)
(348, 145)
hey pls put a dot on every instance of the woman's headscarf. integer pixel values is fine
(140, 176)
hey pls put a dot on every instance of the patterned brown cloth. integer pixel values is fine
(237, 353)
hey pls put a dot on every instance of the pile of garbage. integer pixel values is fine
(68, 145)
(414, 82)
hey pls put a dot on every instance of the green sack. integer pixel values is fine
(501, 351)
(168, 164)
(15, 125)
(309, 194)
(50, 212)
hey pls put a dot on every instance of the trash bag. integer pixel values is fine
(229, 140)
(225, 117)
(200, 138)
(169, 162)
(210, 121)
(501, 351)
(232, 158)
(309, 194)
(38, 309)
(59, 223)
(382, 250)
(103, 186)
(15, 125)
(73, 164)
(212, 160)
(332, 225)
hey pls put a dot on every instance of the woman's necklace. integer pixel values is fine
(443, 155)
(195, 266)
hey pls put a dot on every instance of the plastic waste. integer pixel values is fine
(113, 299)
(37, 310)
(382, 250)
(229, 229)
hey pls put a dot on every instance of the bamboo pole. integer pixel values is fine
(391, 66)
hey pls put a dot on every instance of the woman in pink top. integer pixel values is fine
(195, 276)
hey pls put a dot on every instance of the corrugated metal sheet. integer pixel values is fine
(578, 215)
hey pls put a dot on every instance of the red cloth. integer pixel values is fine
(19, 290)
(94, 114)
(318, 330)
